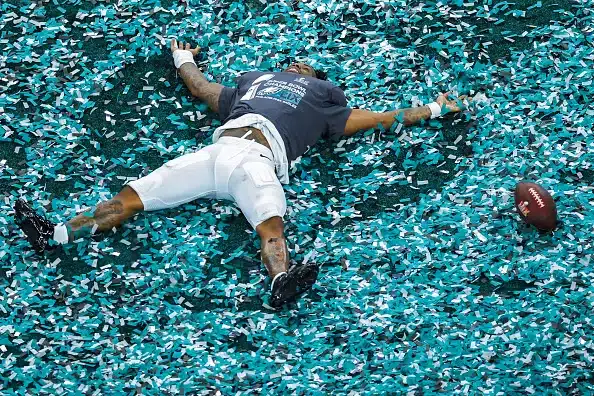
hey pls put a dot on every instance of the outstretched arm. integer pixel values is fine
(196, 82)
(361, 120)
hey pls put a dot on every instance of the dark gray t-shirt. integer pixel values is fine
(303, 109)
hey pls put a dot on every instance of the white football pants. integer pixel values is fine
(234, 169)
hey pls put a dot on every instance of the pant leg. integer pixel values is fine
(179, 181)
(256, 189)
(232, 168)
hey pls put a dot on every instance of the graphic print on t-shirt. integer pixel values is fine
(280, 91)
(252, 91)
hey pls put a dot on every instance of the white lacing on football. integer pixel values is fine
(536, 197)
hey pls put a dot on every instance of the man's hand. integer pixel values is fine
(451, 103)
(198, 85)
(180, 46)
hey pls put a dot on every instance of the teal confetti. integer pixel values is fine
(429, 284)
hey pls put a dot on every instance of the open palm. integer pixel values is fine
(452, 103)
(180, 46)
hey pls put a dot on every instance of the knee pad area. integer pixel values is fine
(266, 209)
(261, 174)
(262, 197)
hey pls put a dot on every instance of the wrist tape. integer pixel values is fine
(182, 56)
(435, 109)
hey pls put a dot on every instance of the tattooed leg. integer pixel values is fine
(287, 283)
(106, 216)
(274, 254)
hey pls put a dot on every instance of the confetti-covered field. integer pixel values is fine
(430, 284)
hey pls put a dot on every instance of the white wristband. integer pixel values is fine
(435, 109)
(182, 56)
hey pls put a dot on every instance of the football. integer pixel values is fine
(536, 206)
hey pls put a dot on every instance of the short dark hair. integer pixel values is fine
(321, 75)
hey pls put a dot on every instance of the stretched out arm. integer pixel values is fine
(196, 82)
(200, 87)
(361, 120)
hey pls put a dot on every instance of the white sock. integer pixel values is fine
(61, 234)
(277, 275)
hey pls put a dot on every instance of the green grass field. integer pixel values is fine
(430, 283)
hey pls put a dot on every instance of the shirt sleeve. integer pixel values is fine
(229, 96)
(226, 100)
(337, 97)
(337, 114)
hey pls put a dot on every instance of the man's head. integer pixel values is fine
(305, 69)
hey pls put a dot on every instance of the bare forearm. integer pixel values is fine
(365, 119)
(408, 117)
(199, 86)
(193, 77)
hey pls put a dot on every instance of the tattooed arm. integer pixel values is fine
(361, 120)
(196, 82)
(200, 87)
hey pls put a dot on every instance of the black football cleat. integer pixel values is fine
(37, 228)
(296, 281)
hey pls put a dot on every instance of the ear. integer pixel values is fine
(321, 75)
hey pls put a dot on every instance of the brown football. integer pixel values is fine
(536, 206)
